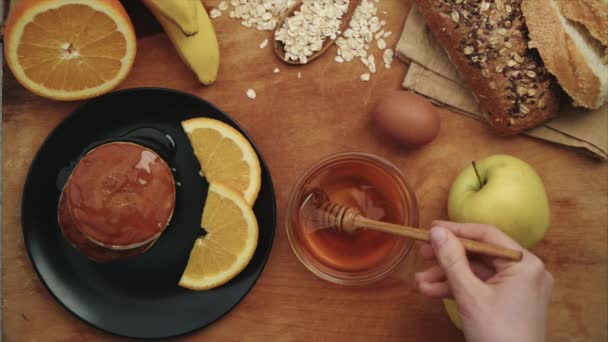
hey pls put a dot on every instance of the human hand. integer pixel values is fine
(498, 300)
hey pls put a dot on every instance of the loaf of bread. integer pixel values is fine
(487, 41)
(572, 49)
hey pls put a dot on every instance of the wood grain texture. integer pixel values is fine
(295, 122)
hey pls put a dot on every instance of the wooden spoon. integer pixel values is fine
(345, 20)
(323, 214)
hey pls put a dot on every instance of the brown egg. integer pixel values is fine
(406, 117)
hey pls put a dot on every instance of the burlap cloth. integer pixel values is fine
(433, 75)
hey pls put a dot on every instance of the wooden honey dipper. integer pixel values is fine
(322, 213)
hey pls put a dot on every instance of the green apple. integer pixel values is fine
(452, 310)
(503, 191)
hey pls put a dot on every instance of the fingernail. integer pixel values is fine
(438, 235)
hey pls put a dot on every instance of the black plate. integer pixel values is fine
(139, 297)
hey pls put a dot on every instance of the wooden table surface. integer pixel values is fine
(295, 122)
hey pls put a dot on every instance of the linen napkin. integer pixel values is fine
(432, 74)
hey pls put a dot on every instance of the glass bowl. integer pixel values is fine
(378, 190)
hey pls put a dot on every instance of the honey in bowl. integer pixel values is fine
(117, 201)
(377, 190)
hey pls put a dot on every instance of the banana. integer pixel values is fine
(181, 12)
(200, 51)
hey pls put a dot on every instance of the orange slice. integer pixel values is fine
(229, 243)
(69, 49)
(225, 156)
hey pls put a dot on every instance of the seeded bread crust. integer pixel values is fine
(487, 41)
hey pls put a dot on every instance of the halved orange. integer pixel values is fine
(69, 49)
(225, 156)
(229, 243)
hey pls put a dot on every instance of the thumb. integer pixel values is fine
(453, 260)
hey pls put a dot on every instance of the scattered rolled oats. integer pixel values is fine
(215, 13)
(251, 94)
(364, 61)
(276, 70)
(264, 43)
(364, 77)
(223, 6)
(371, 64)
(387, 58)
(381, 44)
(339, 59)
(299, 75)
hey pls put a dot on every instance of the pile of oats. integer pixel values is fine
(304, 32)
(318, 20)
